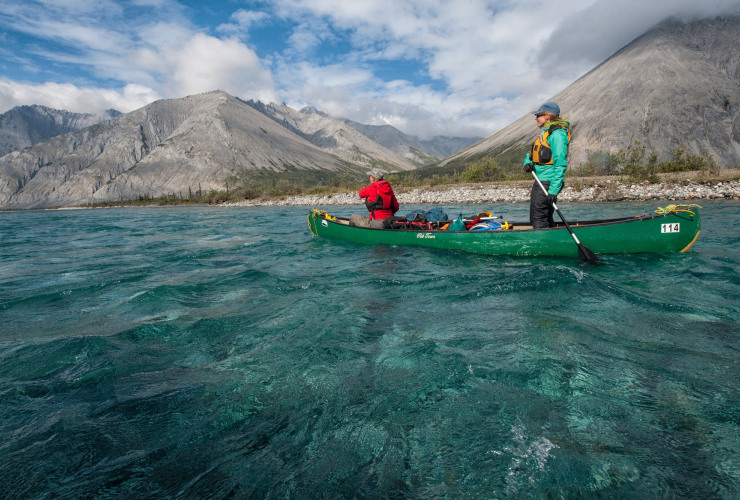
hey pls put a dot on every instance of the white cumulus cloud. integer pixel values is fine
(207, 63)
(477, 51)
(493, 60)
(152, 57)
(241, 21)
(74, 98)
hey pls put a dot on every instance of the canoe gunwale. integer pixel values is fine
(560, 225)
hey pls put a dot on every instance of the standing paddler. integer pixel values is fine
(548, 159)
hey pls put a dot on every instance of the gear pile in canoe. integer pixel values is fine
(671, 229)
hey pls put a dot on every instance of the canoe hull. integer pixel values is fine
(672, 232)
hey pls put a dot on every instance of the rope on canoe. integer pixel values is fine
(315, 212)
(677, 208)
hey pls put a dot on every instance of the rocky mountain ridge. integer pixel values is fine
(423, 151)
(24, 126)
(333, 136)
(418, 151)
(169, 146)
(678, 84)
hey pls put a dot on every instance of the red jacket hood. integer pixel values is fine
(383, 187)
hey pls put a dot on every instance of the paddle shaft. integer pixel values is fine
(558, 211)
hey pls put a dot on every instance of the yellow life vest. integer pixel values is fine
(541, 154)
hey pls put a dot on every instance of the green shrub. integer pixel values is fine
(484, 170)
(249, 192)
(684, 161)
(216, 197)
(632, 162)
(404, 179)
(437, 180)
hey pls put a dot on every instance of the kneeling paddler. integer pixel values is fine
(379, 200)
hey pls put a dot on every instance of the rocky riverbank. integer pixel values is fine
(608, 190)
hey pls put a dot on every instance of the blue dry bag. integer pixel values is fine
(433, 215)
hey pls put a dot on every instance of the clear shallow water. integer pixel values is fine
(202, 352)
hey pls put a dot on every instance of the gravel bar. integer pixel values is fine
(604, 191)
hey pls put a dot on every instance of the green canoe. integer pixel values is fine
(676, 230)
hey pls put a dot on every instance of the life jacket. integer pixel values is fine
(541, 154)
(384, 200)
(378, 203)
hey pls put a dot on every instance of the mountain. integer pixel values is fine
(24, 126)
(444, 146)
(169, 146)
(317, 126)
(679, 83)
(395, 140)
(403, 144)
(420, 151)
(333, 136)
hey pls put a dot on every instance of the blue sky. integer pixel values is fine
(428, 67)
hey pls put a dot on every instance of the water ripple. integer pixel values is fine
(225, 353)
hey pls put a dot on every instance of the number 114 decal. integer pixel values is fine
(670, 228)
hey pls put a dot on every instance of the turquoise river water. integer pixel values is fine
(226, 353)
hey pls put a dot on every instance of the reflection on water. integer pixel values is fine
(202, 352)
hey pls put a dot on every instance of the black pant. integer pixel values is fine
(540, 212)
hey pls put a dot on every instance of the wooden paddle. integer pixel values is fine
(584, 253)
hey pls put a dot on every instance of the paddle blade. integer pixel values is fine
(586, 255)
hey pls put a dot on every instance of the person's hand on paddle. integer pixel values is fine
(529, 167)
(551, 198)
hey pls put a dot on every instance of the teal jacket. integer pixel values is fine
(555, 173)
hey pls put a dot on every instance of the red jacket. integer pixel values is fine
(383, 190)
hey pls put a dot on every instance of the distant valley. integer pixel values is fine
(422, 151)
(315, 126)
(333, 136)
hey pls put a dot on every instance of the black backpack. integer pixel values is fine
(395, 223)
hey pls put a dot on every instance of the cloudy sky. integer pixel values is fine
(427, 67)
